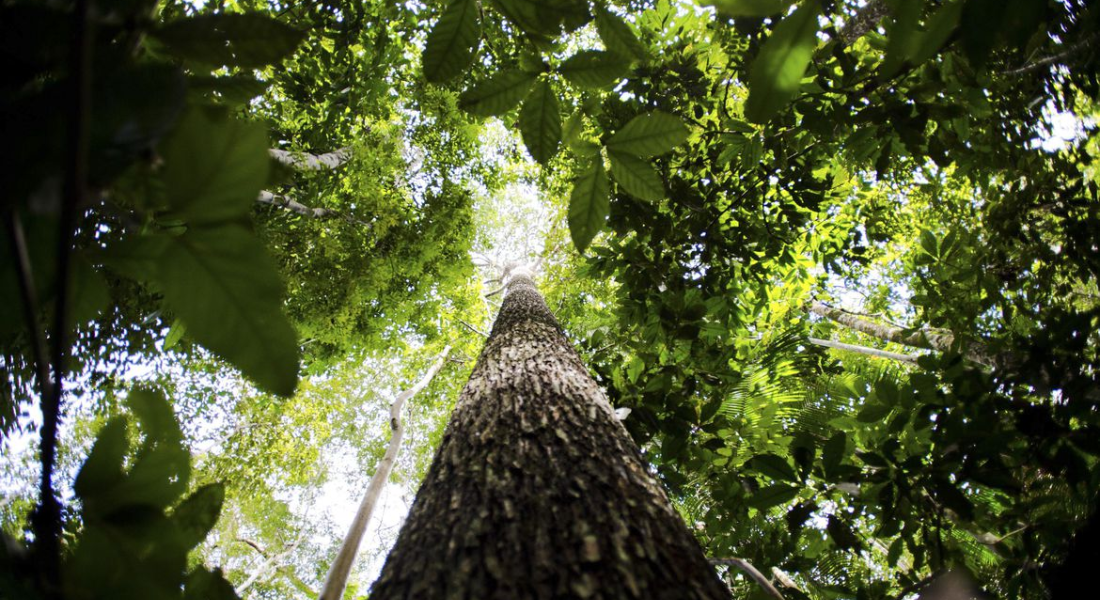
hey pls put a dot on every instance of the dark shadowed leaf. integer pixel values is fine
(749, 8)
(247, 40)
(498, 95)
(774, 467)
(540, 122)
(103, 467)
(588, 205)
(776, 74)
(594, 69)
(637, 176)
(772, 495)
(650, 134)
(617, 36)
(221, 282)
(198, 513)
(452, 42)
(214, 168)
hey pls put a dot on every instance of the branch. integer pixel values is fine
(293, 205)
(1055, 58)
(473, 329)
(751, 571)
(863, 21)
(906, 358)
(271, 561)
(337, 578)
(304, 161)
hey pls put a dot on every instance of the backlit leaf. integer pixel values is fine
(649, 134)
(540, 122)
(636, 176)
(498, 95)
(452, 42)
(588, 205)
(776, 74)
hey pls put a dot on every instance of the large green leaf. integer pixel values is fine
(617, 36)
(594, 69)
(103, 467)
(540, 122)
(214, 168)
(246, 40)
(498, 95)
(221, 282)
(650, 134)
(773, 466)
(637, 176)
(198, 513)
(452, 42)
(776, 74)
(588, 204)
(772, 495)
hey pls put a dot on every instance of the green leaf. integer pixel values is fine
(902, 37)
(841, 533)
(234, 91)
(594, 69)
(617, 36)
(248, 40)
(452, 42)
(154, 414)
(588, 205)
(498, 95)
(208, 585)
(649, 134)
(222, 284)
(773, 466)
(834, 452)
(175, 334)
(214, 170)
(749, 8)
(941, 25)
(776, 74)
(103, 467)
(540, 122)
(772, 495)
(198, 513)
(637, 176)
(873, 413)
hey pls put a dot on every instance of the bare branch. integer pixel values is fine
(1055, 58)
(293, 205)
(751, 571)
(473, 329)
(337, 578)
(906, 358)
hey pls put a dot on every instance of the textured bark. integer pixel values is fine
(293, 205)
(304, 161)
(537, 491)
(337, 578)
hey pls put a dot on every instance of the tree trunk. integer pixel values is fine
(537, 491)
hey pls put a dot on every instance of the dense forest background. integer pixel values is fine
(838, 258)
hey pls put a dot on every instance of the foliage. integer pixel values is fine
(718, 166)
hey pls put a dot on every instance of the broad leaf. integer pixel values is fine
(776, 74)
(588, 205)
(235, 90)
(214, 170)
(103, 467)
(452, 42)
(617, 36)
(650, 134)
(594, 69)
(198, 513)
(208, 585)
(498, 95)
(540, 122)
(774, 467)
(772, 495)
(223, 285)
(636, 176)
(247, 40)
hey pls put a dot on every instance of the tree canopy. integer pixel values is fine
(838, 258)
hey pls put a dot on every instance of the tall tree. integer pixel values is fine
(537, 490)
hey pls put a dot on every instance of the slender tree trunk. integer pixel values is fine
(537, 491)
(337, 578)
(906, 358)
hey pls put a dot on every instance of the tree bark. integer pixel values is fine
(337, 578)
(537, 491)
(906, 358)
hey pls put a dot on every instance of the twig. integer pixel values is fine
(30, 300)
(751, 571)
(472, 328)
(1049, 60)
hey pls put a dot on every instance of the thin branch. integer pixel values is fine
(337, 578)
(751, 571)
(30, 300)
(906, 358)
(473, 329)
(1055, 58)
(288, 203)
